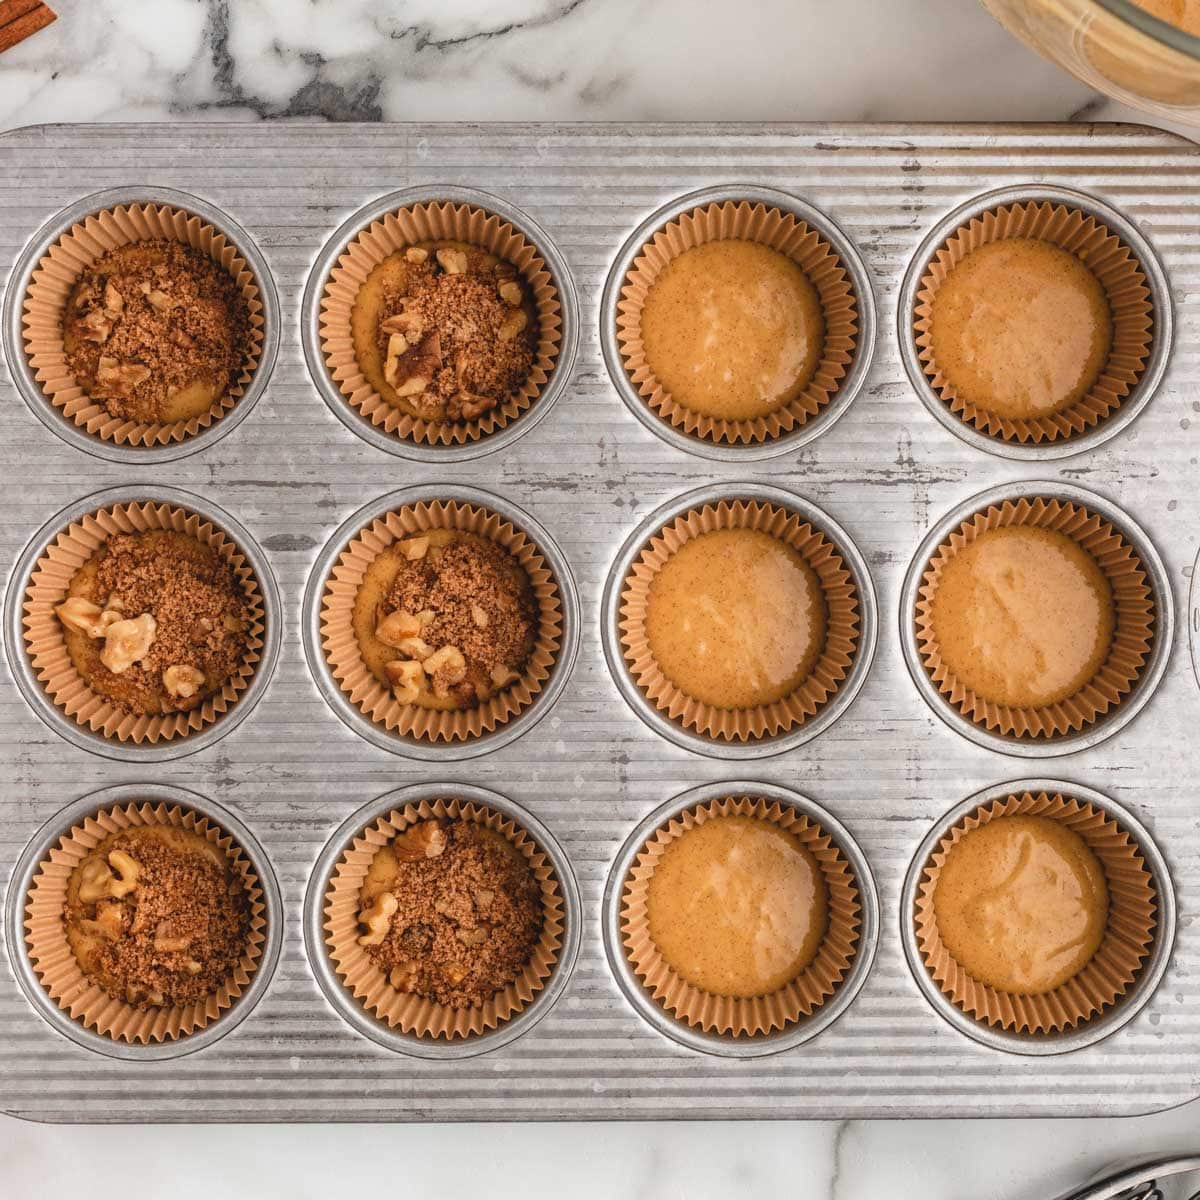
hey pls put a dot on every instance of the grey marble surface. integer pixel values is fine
(174, 60)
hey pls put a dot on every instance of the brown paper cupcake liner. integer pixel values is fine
(340, 644)
(394, 232)
(55, 964)
(1125, 285)
(757, 1015)
(53, 280)
(414, 1014)
(45, 640)
(842, 633)
(1133, 634)
(1131, 922)
(780, 231)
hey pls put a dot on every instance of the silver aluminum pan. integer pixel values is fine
(591, 473)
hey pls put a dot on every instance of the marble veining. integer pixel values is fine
(623, 60)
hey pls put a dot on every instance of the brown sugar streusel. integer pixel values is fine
(156, 331)
(454, 329)
(451, 912)
(446, 619)
(157, 916)
(156, 622)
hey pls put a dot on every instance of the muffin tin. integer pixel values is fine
(589, 472)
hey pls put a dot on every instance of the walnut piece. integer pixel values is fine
(502, 676)
(82, 616)
(127, 641)
(479, 616)
(397, 626)
(95, 327)
(425, 839)
(415, 254)
(405, 976)
(453, 262)
(446, 668)
(118, 378)
(183, 680)
(510, 292)
(414, 548)
(377, 918)
(406, 678)
(513, 324)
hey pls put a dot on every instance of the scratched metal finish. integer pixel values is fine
(591, 770)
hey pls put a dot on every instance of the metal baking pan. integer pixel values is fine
(590, 472)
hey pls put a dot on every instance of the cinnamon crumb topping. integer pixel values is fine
(198, 624)
(480, 603)
(173, 939)
(466, 918)
(455, 345)
(149, 319)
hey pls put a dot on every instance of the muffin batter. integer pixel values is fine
(1023, 616)
(1021, 328)
(736, 618)
(1022, 904)
(733, 329)
(737, 906)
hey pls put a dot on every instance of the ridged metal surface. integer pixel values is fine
(291, 472)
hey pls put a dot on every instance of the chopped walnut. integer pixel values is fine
(118, 378)
(396, 627)
(446, 668)
(514, 323)
(406, 678)
(452, 261)
(127, 642)
(183, 680)
(510, 292)
(415, 254)
(414, 548)
(82, 616)
(425, 839)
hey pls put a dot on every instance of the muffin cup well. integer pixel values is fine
(35, 634)
(738, 1027)
(52, 265)
(367, 705)
(838, 672)
(46, 966)
(360, 991)
(389, 225)
(783, 224)
(1136, 619)
(1111, 988)
(1134, 285)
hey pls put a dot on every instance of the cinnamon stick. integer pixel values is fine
(20, 19)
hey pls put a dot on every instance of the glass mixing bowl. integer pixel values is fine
(1115, 46)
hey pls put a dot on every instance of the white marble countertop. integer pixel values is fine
(853, 60)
